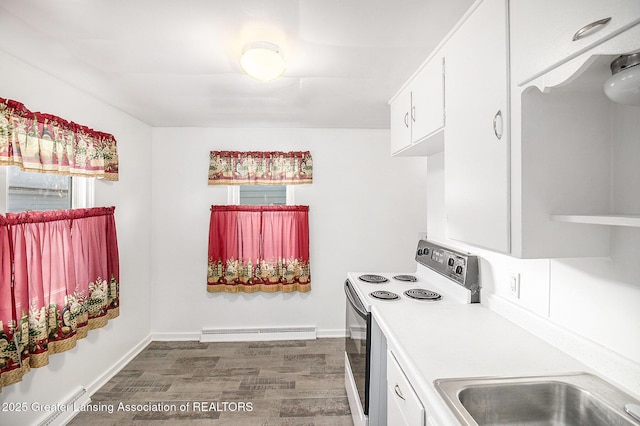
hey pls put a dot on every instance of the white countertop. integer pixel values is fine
(462, 340)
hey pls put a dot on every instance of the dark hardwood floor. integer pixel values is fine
(299, 382)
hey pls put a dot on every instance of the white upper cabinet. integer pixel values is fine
(417, 113)
(477, 132)
(550, 32)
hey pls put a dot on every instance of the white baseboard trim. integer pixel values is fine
(612, 366)
(327, 334)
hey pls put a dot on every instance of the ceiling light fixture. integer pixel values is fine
(262, 60)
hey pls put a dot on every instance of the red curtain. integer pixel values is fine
(65, 283)
(12, 367)
(259, 248)
(43, 277)
(95, 247)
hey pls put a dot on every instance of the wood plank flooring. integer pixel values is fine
(298, 382)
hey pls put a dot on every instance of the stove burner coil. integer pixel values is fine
(405, 278)
(422, 294)
(384, 295)
(373, 279)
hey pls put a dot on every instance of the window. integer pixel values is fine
(22, 191)
(261, 195)
(37, 191)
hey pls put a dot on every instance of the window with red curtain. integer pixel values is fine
(259, 248)
(65, 283)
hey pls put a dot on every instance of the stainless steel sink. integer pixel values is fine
(574, 399)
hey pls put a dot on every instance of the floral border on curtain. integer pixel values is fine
(38, 142)
(65, 283)
(258, 248)
(260, 168)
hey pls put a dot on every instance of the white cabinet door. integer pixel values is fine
(477, 140)
(403, 405)
(545, 30)
(427, 103)
(401, 121)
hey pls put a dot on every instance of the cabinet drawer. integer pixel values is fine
(543, 31)
(404, 406)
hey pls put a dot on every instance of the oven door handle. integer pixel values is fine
(347, 290)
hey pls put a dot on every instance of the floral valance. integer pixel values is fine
(260, 168)
(38, 142)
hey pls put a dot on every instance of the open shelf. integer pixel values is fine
(607, 219)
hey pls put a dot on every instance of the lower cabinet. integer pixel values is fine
(403, 405)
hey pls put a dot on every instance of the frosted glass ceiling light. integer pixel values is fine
(624, 85)
(262, 60)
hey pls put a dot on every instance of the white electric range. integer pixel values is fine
(442, 275)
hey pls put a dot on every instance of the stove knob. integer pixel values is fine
(459, 270)
(451, 261)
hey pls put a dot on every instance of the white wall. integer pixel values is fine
(97, 354)
(366, 210)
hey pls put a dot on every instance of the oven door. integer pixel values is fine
(358, 345)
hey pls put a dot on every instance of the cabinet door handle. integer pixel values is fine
(398, 392)
(498, 123)
(413, 113)
(406, 120)
(582, 32)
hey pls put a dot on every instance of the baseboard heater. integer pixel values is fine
(61, 417)
(254, 334)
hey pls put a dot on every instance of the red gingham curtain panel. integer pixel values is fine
(65, 283)
(259, 248)
(38, 142)
(260, 168)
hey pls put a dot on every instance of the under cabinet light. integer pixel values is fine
(624, 85)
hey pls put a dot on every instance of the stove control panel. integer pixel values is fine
(457, 266)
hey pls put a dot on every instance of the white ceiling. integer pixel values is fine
(175, 62)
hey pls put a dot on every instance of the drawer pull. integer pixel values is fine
(582, 31)
(498, 124)
(398, 392)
